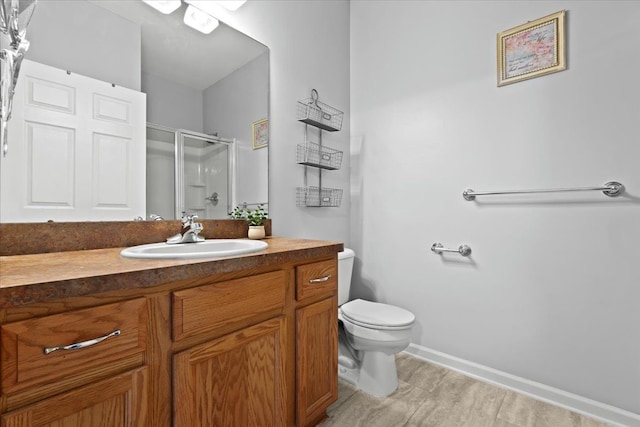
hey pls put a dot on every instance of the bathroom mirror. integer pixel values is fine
(206, 84)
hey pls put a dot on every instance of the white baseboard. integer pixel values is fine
(606, 413)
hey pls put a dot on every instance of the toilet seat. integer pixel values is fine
(376, 315)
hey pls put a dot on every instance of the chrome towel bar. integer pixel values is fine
(463, 250)
(611, 189)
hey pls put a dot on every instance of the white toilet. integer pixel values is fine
(370, 336)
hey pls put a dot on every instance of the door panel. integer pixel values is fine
(76, 149)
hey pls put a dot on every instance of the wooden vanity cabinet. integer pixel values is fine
(239, 378)
(252, 347)
(246, 369)
(316, 340)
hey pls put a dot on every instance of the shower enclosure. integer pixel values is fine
(189, 172)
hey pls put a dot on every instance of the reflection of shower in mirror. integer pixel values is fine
(191, 172)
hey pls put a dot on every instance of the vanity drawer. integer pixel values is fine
(209, 307)
(318, 278)
(25, 364)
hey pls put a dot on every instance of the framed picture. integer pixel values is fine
(532, 50)
(260, 133)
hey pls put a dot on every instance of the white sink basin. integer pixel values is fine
(205, 249)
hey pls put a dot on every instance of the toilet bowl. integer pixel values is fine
(371, 334)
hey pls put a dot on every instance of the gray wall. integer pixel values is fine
(551, 291)
(230, 106)
(108, 50)
(308, 48)
(171, 104)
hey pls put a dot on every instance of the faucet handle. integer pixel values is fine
(187, 219)
(197, 227)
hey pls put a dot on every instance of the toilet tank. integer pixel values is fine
(345, 268)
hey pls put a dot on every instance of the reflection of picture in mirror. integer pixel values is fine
(124, 44)
(260, 133)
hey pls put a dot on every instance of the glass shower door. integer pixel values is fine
(205, 175)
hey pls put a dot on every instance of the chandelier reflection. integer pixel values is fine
(14, 19)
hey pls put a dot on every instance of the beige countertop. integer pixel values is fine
(28, 279)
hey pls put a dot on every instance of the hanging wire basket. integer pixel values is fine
(311, 154)
(319, 114)
(318, 197)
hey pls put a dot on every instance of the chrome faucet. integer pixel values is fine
(152, 217)
(192, 230)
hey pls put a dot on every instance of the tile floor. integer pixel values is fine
(430, 395)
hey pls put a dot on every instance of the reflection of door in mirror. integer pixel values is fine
(79, 152)
(189, 172)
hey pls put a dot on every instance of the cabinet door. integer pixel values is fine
(317, 357)
(120, 401)
(236, 380)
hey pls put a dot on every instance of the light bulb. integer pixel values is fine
(215, 7)
(197, 19)
(231, 5)
(164, 6)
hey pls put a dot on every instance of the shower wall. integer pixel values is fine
(205, 173)
(550, 293)
(216, 161)
(160, 176)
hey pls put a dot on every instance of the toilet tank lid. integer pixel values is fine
(346, 253)
(377, 314)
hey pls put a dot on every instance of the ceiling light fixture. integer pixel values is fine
(164, 6)
(231, 5)
(197, 19)
(216, 7)
(199, 14)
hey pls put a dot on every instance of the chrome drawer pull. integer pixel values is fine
(322, 279)
(83, 344)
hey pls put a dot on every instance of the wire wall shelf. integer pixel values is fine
(314, 113)
(315, 155)
(318, 197)
(319, 114)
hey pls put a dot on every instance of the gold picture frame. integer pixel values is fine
(530, 50)
(260, 132)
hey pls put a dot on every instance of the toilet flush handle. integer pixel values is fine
(320, 279)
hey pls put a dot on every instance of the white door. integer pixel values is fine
(76, 149)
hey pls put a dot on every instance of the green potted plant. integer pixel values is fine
(255, 217)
